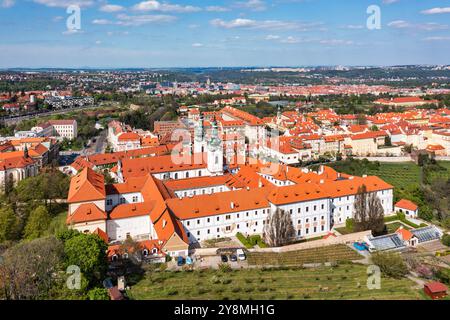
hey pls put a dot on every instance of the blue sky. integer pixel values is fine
(200, 33)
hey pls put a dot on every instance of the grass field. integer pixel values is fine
(346, 281)
(400, 175)
(298, 258)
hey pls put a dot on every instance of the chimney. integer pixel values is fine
(232, 205)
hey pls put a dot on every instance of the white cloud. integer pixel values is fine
(290, 40)
(262, 24)
(111, 8)
(436, 10)
(69, 32)
(254, 5)
(400, 24)
(437, 39)
(354, 26)
(197, 45)
(430, 26)
(98, 42)
(390, 1)
(217, 9)
(336, 42)
(164, 7)
(101, 21)
(7, 3)
(126, 20)
(65, 3)
(272, 37)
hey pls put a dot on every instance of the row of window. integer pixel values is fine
(228, 217)
(122, 200)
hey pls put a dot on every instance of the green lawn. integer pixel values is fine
(392, 227)
(346, 281)
(298, 258)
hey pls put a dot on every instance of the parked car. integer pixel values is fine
(240, 254)
(224, 258)
(180, 261)
(233, 258)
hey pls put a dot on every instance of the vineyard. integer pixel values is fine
(400, 175)
(345, 281)
(298, 258)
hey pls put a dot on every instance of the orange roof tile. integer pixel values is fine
(219, 203)
(88, 185)
(406, 204)
(85, 213)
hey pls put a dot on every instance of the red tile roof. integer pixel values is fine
(85, 213)
(406, 204)
(88, 185)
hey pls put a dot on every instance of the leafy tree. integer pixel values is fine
(88, 252)
(28, 269)
(279, 229)
(369, 213)
(391, 264)
(446, 240)
(37, 223)
(98, 294)
(9, 224)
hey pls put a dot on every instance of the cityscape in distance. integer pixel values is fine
(196, 152)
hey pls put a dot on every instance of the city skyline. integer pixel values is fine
(152, 34)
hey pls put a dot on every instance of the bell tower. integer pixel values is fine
(215, 151)
(199, 136)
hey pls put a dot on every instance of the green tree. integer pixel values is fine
(9, 224)
(391, 264)
(446, 240)
(98, 294)
(37, 223)
(28, 270)
(88, 252)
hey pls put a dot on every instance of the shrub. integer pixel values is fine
(224, 267)
(446, 240)
(391, 264)
(443, 275)
(349, 224)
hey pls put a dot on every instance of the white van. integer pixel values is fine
(240, 254)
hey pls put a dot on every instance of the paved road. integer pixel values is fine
(99, 145)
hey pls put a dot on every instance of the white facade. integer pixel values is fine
(139, 228)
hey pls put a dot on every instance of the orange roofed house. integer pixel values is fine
(409, 208)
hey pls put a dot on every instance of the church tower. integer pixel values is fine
(120, 178)
(215, 151)
(199, 137)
